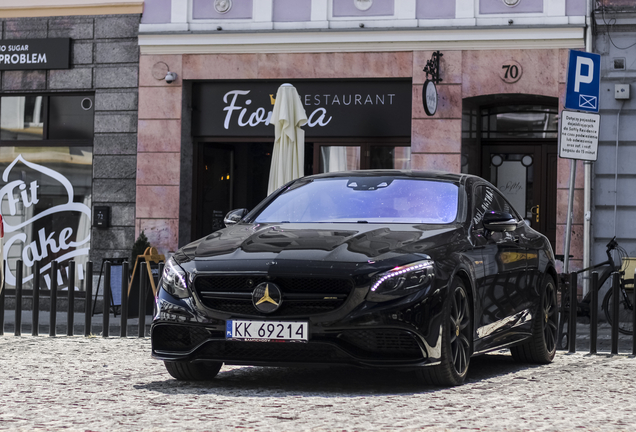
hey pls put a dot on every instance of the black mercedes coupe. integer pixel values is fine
(388, 269)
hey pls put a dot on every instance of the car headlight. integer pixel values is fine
(174, 279)
(401, 281)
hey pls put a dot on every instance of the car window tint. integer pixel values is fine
(488, 199)
(369, 199)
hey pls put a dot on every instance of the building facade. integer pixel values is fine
(204, 141)
(68, 133)
(613, 200)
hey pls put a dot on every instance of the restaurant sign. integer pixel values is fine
(339, 108)
(21, 54)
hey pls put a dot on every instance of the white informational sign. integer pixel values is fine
(579, 135)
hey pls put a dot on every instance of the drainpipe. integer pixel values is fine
(587, 165)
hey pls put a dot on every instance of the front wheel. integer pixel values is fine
(456, 340)
(187, 371)
(625, 308)
(541, 347)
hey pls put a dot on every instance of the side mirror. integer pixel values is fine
(233, 217)
(499, 221)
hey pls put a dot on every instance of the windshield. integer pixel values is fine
(365, 199)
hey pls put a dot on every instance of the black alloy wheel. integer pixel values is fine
(550, 316)
(541, 346)
(459, 323)
(456, 340)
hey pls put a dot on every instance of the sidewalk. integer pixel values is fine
(108, 384)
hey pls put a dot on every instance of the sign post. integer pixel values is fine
(578, 138)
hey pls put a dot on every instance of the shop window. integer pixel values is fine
(21, 118)
(365, 156)
(46, 202)
(70, 117)
(55, 117)
(339, 158)
(46, 165)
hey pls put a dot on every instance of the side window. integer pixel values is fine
(488, 199)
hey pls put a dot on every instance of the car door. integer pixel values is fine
(504, 277)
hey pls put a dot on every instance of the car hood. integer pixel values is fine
(319, 242)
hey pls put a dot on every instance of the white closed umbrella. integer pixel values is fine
(288, 157)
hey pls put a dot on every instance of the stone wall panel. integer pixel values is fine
(116, 100)
(117, 52)
(114, 167)
(115, 144)
(106, 122)
(71, 79)
(24, 80)
(71, 27)
(116, 77)
(116, 27)
(113, 190)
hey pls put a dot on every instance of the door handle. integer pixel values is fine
(535, 211)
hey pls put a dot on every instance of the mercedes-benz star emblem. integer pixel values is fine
(267, 297)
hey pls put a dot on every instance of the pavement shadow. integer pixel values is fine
(327, 381)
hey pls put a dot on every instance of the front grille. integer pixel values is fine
(301, 296)
(382, 343)
(179, 338)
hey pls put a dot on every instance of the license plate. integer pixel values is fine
(266, 331)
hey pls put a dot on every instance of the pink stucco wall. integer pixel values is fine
(435, 141)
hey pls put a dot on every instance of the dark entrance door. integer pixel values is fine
(228, 176)
(526, 175)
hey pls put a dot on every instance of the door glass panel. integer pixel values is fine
(21, 118)
(339, 158)
(390, 157)
(532, 121)
(513, 174)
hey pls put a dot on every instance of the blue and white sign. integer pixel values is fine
(584, 81)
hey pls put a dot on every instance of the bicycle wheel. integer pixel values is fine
(625, 314)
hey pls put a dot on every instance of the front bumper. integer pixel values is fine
(401, 333)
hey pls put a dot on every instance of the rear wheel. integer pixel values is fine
(187, 371)
(456, 340)
(625, 308)
(541, 347)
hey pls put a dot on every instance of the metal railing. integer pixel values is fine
(144, 291)
(620, 299)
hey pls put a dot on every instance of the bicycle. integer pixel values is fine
(605, 270)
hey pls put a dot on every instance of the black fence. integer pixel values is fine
(620, 312)
(144, 291)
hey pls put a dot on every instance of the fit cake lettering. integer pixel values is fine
(23, 194)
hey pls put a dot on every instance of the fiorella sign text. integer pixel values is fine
(20, 54)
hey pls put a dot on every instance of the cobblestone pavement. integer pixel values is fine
(97, 384)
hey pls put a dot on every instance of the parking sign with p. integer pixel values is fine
(584, 80)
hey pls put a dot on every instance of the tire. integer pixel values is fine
(456, 340)
(541, 346)
(187, 371)
(625, 307)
